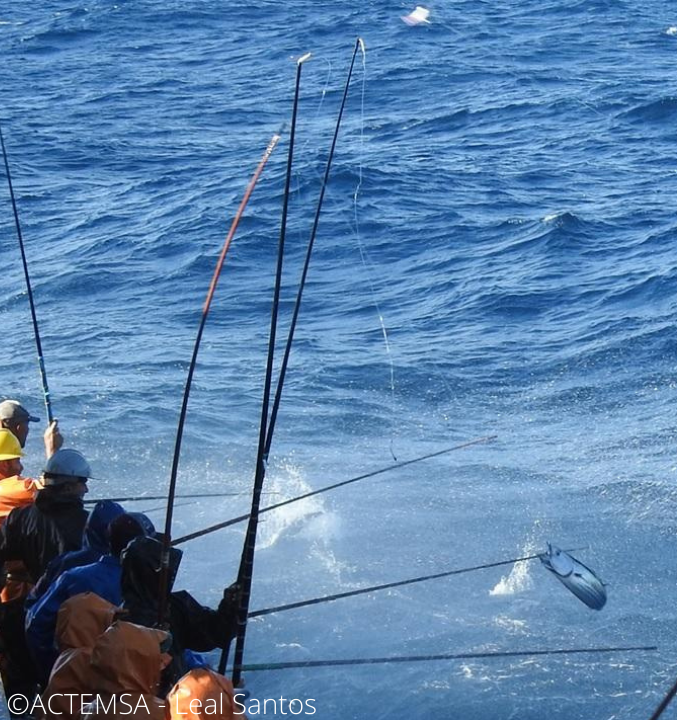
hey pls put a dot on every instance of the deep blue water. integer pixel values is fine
(496, 254)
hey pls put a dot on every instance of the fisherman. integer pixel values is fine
(15, 418)
(81, 620)
(101, 577)
(95, 544)
(124, 673)
(15, 492)
(35, 534)
(191, 625)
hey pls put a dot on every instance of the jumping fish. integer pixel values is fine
(417, 16)
(575, 576)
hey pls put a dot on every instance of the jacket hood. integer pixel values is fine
(82, 619)
(50, 500)
(129, 658)
(141, 561)
(95, 534)
(214, 694)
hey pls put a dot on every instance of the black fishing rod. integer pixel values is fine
(311, 243)
(166, 541)
(36, 332)
(374, 473)
(193, 496)
(244, 576)
(290, 338)
(665, 702)
(390, 585)
(450, 656)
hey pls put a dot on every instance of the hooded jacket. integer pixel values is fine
(101, 577)
(81, 620)
(191, 625)
(203, 694)
(125, 667)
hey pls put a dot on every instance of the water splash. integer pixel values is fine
(518, 580)
(289, 482)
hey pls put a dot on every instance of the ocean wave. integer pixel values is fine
(660, 110)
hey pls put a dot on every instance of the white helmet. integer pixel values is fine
(66, 466)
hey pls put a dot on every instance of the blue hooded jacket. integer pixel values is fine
(101, 577)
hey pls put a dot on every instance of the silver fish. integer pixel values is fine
(575, 576)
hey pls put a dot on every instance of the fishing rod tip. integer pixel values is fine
(303, 58)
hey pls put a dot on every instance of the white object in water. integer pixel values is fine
(417, 16)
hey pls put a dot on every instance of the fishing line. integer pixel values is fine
(166, 540)
(36, 332)
(373, 473)
(451, 656)
(390, 585)
(366, 263)
(323, 93)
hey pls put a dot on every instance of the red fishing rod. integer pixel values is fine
(166, 540)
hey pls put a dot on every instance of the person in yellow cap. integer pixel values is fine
(15, 418)
(15, 492)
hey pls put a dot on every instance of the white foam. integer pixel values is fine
(518, 580)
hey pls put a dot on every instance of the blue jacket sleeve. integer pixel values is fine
(41, 622)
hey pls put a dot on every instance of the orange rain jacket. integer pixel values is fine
(125, 669)
(81, 620)
(203, 694)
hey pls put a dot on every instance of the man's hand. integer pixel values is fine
(53, 438)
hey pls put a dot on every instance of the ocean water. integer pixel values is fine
(496, 255)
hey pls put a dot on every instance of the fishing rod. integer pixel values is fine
(136, 498)
(374, 473)
(166, 541)
(244, 576)
(297, 305)
(451, 656)
(390, 585)
(665, 702)
(145, 511)
(29, 290)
